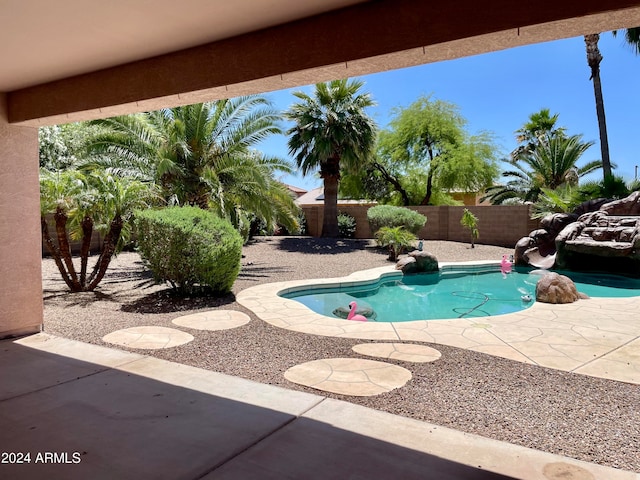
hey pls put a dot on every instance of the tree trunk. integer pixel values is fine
(330, 218)
(54, 251)
(60, 218)
(87, 233)
(427, 197)
(393, 181)
(593, 59)
(108, 249)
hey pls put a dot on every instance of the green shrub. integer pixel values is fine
(395, 239)
(390, 216)
(190, 248)
(346, 225)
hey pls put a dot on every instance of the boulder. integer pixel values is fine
(625, 206)
(407, 265)
(555, 288)
(418, 261)
(524, 244)
(427, 262)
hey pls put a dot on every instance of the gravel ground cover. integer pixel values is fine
(586, 418)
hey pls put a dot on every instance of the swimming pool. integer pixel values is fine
(452, 293)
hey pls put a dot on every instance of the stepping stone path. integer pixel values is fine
(213, 320)
(149, 338)
(408, 352)
(349, 376)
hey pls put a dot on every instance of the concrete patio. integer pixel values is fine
(102, 413)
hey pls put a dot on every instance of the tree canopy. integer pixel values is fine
(425, 152)
(545, 159)
(203, 155)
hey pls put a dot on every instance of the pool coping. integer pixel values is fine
(596, 336)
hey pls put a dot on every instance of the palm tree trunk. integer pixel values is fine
(593, 59)
(108, 249)
(330, 217)
(54, 251)
(87, 233)
(60, 218)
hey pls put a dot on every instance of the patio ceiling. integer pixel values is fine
(64, 61)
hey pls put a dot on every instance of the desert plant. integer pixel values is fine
(202, 155)
(470, 221)
(390, 216)
(395, 239)
(190, 248)
(81, 204)
(346, 225)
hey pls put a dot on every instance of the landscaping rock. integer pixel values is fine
(427, 262)
(418, 261)
(407, 265)
(555, 288)
(625, 206)
(605, 236)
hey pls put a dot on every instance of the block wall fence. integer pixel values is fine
(501, 225)
(498, 224)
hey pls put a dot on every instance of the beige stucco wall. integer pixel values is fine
(20, 265)
(498, 224)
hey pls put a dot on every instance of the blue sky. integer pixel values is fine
(498, 91)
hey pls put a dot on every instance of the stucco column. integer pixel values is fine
(20, 245)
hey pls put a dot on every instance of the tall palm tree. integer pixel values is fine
(203, 155)
(550, 165)
(594, 57)
(332, 132)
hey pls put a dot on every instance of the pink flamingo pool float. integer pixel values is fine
(505, 265)
(352, 314)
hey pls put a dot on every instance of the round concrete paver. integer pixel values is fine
(213, 320)
(349, 376)
(149, 338)
(408, 352)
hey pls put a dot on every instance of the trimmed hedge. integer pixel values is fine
(390, 216)
(190, 248)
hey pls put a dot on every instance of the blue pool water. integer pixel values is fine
(453, 294)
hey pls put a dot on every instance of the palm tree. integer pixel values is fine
(550, 165)
(203, 155)
(539, 124)
(331, 132)
(594, 57)
(81, 204)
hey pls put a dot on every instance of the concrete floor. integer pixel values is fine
(83, 411)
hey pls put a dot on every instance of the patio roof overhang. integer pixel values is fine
(252, 47)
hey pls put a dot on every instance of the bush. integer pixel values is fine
(346, 225)
(395, 239)
(190, 248)
(390, 216)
